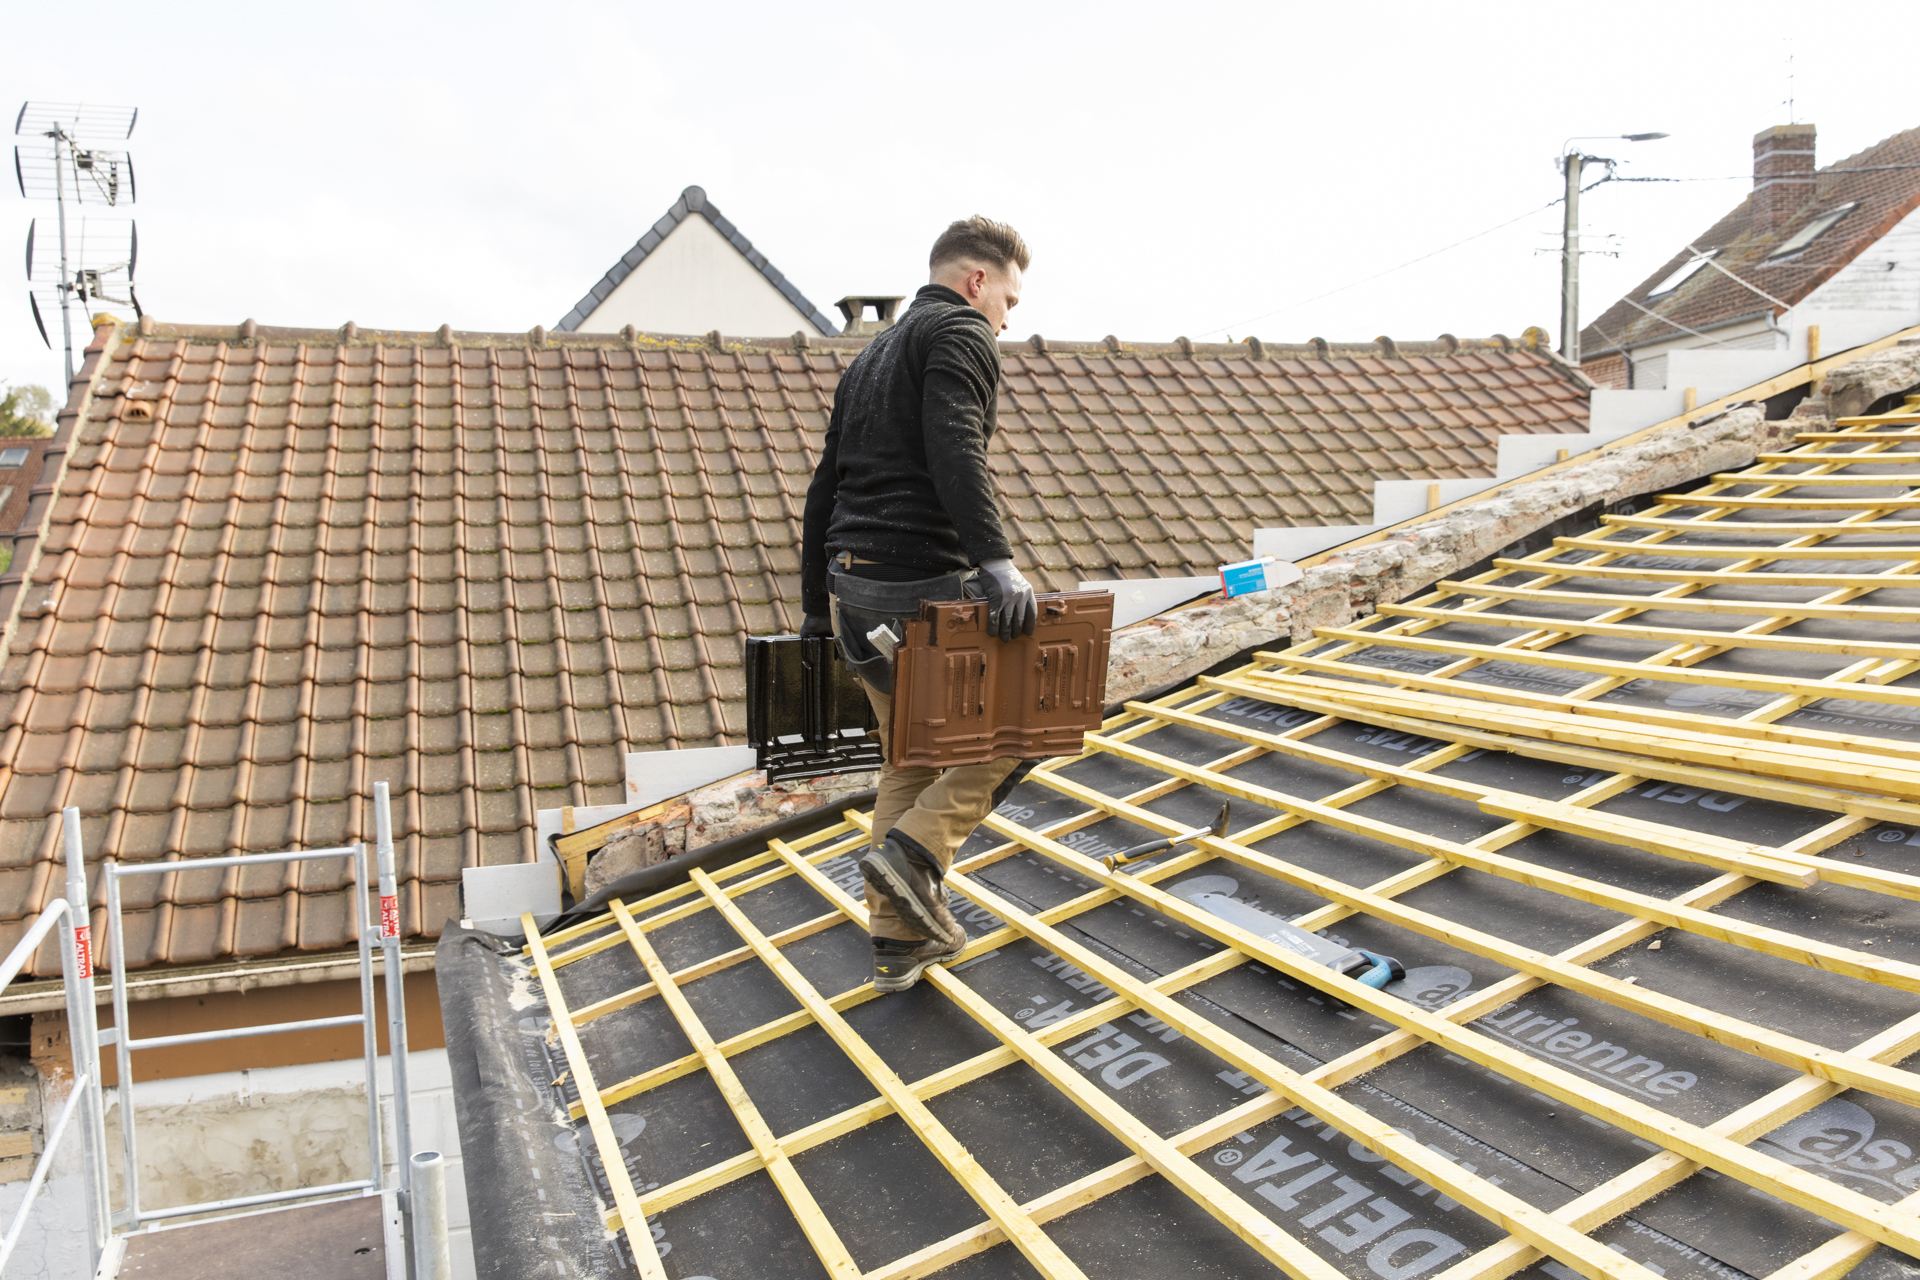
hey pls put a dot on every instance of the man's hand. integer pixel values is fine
(1010, 604)
(816, 625)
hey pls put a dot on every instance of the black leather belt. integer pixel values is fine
(897, 599)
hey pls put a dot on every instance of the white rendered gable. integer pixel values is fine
(1884, 277)
(695, 282)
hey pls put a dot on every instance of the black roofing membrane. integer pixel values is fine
(887, 1195)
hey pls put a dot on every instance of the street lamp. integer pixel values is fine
(1572, 165)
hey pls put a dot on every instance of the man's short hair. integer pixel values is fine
(979, 239)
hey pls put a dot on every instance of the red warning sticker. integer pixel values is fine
(83, 949)
(389, 915)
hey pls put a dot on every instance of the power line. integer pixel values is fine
(1735, 177)
(1389, 271)
(1714, 263)
(1675, 323)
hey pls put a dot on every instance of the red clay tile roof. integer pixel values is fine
(275, 567)
(1884, 180)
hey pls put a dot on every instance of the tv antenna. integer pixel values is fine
(76, 167)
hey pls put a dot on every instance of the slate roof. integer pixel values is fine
(693, 200)
(267, 568)
(1884, 180)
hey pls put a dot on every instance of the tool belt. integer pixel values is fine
(861, 604)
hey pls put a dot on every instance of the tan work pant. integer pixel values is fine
(937, 807)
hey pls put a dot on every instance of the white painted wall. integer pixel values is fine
(694, 282)
(1886, 277)
(243, 1133)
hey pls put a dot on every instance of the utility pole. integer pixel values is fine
(1571, 164)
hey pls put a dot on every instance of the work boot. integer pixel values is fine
(908, 878)
(897, 965)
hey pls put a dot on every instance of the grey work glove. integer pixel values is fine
(1011, 609)
(816, 625)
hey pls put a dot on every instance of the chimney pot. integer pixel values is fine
(886, 308)
(1783, 176)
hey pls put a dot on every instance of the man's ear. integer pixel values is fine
(976, 283)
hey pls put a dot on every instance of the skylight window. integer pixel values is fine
(1811, 232)
(14, 457)
(1681, 274)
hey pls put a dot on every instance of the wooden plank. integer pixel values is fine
(1495, 996)
(1046, 1256)
(823, 1131)
(1780, 686)
(1201, 1187)
(1790, 480)
(1837, 457)
(1758, 528)
(1348, 1067)
(1488, 1200)
(1760, 1041)
(1144, 720)
(613, 1161)
(1774, 1177)
(1748, 1037)
(1733, 855)
(726, 960)
(1822, 955)
(773, 1157)
(1302, 684)
(1745, 608)
(1833, 799)
(1665, 635)
(1731, 551)
(1774, 502)
(1651, 736)
(1824, 437)
(1623, 1192)
(1716, 577)
(1763, 862)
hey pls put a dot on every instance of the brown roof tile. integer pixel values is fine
(483, 572)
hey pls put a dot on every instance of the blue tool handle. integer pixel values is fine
(1381, 973)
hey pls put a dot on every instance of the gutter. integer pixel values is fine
(203, 980)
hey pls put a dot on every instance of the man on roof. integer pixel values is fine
(901, 510)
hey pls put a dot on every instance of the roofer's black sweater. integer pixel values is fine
(904, 479)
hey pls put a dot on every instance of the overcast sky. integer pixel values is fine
(1197, 169)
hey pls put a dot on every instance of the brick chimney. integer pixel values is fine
(1782, 175)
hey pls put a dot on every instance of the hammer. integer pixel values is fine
(1114, 861)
